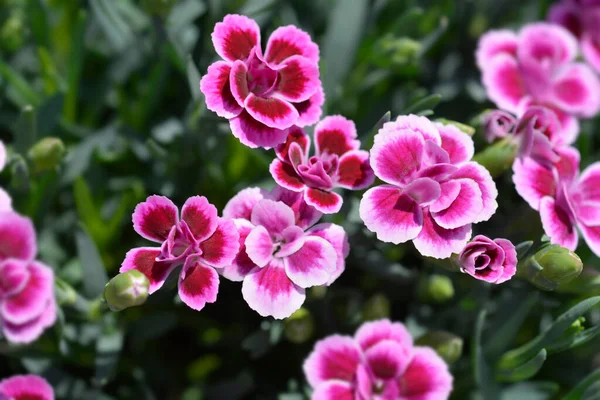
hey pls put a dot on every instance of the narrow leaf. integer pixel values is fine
(426, 103)
(26, 130)
(573, 340)
(25, 95)
(94, 274)
(481, 368)
(524, 371)
(577, 393)
(75, 67)
(193, 76)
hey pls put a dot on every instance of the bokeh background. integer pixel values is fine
(117, 81)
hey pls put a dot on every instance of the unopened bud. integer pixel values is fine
(46, 154)
(468, 129)
(125, 290)
(498, 157)
(447, 345)
(552, 266)
(377, 307)
(435, 289)
(299, 327)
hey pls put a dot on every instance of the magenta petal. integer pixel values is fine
(421, 125)
(338, 238)
(437, 242)
(241, 264)
(270, 292)
(334, 390)
(423, 190)
(567, 165)
(253, 133)
(200, 216)
(591, 51)
(288, 41)
(26, 387)
(222, 246)
(464, 209)
(589, 182)
(241, 205)
(312, 264)
(371, 333)
(215, 86)
(457, 144)
(557, 224)
(324, 201)
(305, 215)
(30, 331)
(285, 175)
(393, 216)
(504, 83)
(335, 135)
(333, 358)
(396, 156)
(238, 82)
(275, 216)
(493, 43)
(510, 260)
(566, 14)
(17, 237)
(298, 80)
(388, 358)
(235, 37)
(295, 135)
(271, 111)
(144, 260)
(591, 234)
(198, 284)
(544, 43)
(354, 170)
(154, 218)
(533, 181)
(14, 276)
(449, 193)
(310, 110)
(576, 90)
(5, 201)
(259, 246)
(426, 378)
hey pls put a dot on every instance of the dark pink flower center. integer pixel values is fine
(180, 242)
(320, 171)
(262, 79)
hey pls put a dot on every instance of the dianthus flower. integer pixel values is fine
(26, 387)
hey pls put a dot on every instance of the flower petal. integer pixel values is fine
(5, 201)
(288, 41)
(396, 156)
(25, 387)
(253, 133)
(567, 165)
(557, 224)
(510, 259)
(335, 135)
(309, 111)
(275, 216)
(241, 264)
(154, 218)
(493, 43)
(238, 82)
(285, 175)
(305, 214)
(589, 182)
(324, 201)
(533, 181)
(504, 83)
(566, 14)
(415, 123)
(334, 390)
(576, 90)
(271, 111)
(215, 86)
(312, 264)
(295, 135)
(464, 209)
(298, 80)
(333, 358)
(371, 333)
(259, 246)
(235, 37)
(543, 41)
(437, 242)
(393, 216)
(200, 216)
(222, 246)
(270, 292)
(457, 144)
(484, 180)
(423, 190)
(448, 193)
(30, 331)
(17, 237)
(198, 284)
(426, 378)
(590, 50)
(241, 205)
(354, 170)
(337, 237)
(14, 276)
(388, 358)
(591, 234)
(144, 260)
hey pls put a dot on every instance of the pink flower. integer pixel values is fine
(498, 124)
(537, 65)
(582, 19)
(565, 198)
(379, 362)
(26, 387)
(337, 162)
(5, 200)
(200, 240)
(282, 252)
(263, 95)
(27, 304)
(493, 261)
(433, 193)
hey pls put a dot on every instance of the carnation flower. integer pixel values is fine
(493, 261)
(263, 95)
(26, 387)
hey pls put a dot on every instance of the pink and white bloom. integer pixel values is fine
(263, 95)
(26, 387)
(338, 162)
(566, 199)
(379, 363)
(282, 251)
(493, 261)
(582, 19)
(538, 66)
(200, 240)
(433, 191)
(5, 200)
(27, 303)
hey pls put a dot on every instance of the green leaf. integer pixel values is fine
(114, 27)
(26, 130)
(193, 76)
(530, 391)
(481, 369)
(523, 248)
(94, 274)
(581, 389)
(108, 351)
(75, 66)
(345, 26)
(523, 371)
(370, 137)
(424, 104)
(574, 340)
(523, 354)
(24, 93)
(38, 22)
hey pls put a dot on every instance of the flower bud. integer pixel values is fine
(447, 345)
(498, 157)
(125, 290)
(46, 154)
(497, 124)
(377, 307)
(299, 327)
(435, 289)
(552, 266)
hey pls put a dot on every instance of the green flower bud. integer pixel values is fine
(551, 267)
(377, 307)
(435, 289)
(125, 290)
(447, 345)
(498, 157)
(299, 326)
(469, 130)
(20, 173)
(12, 33)
(46, 154)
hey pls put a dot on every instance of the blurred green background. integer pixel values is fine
(117, 81)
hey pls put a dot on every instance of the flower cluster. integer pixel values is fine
(5, 200)
(379, 362)
(26, 387)
(27, 303)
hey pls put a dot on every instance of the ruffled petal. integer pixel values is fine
(285, 175)
(5, 201)
(154, 218)
(309, 111)
(295, 135)
(510, 260)
(335, 135)
(591, 234)
(448, 193)
(312, 264)
(576, 90)
(396, 156)
(337, 237)
(14, 276)
(334, 390)
(25, 387)
(388, 358)
(275, 216)
(457, 144)
(271, 111)
(324, 201)
(533, 181)
(371, 333)
(464, 209)
(437, 242)
(198, 284)
(200, 216)
(504, 83)
(30, 331)
(589, 182)
(259, 246)
(415, 123)
(235, 37)
(545, 42)
(241, 205)
(424, 191)
(493, 43)
(557, 224)
(288, 41)
(222, 246)
(144, 260)
(17, 237)
(393, 216)
(354, 170)
(591, 51)
(238, 82)
(305, 214)
(426, 378)
(333, 358)
(216, 88)
(241, 264)
(298, 80)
